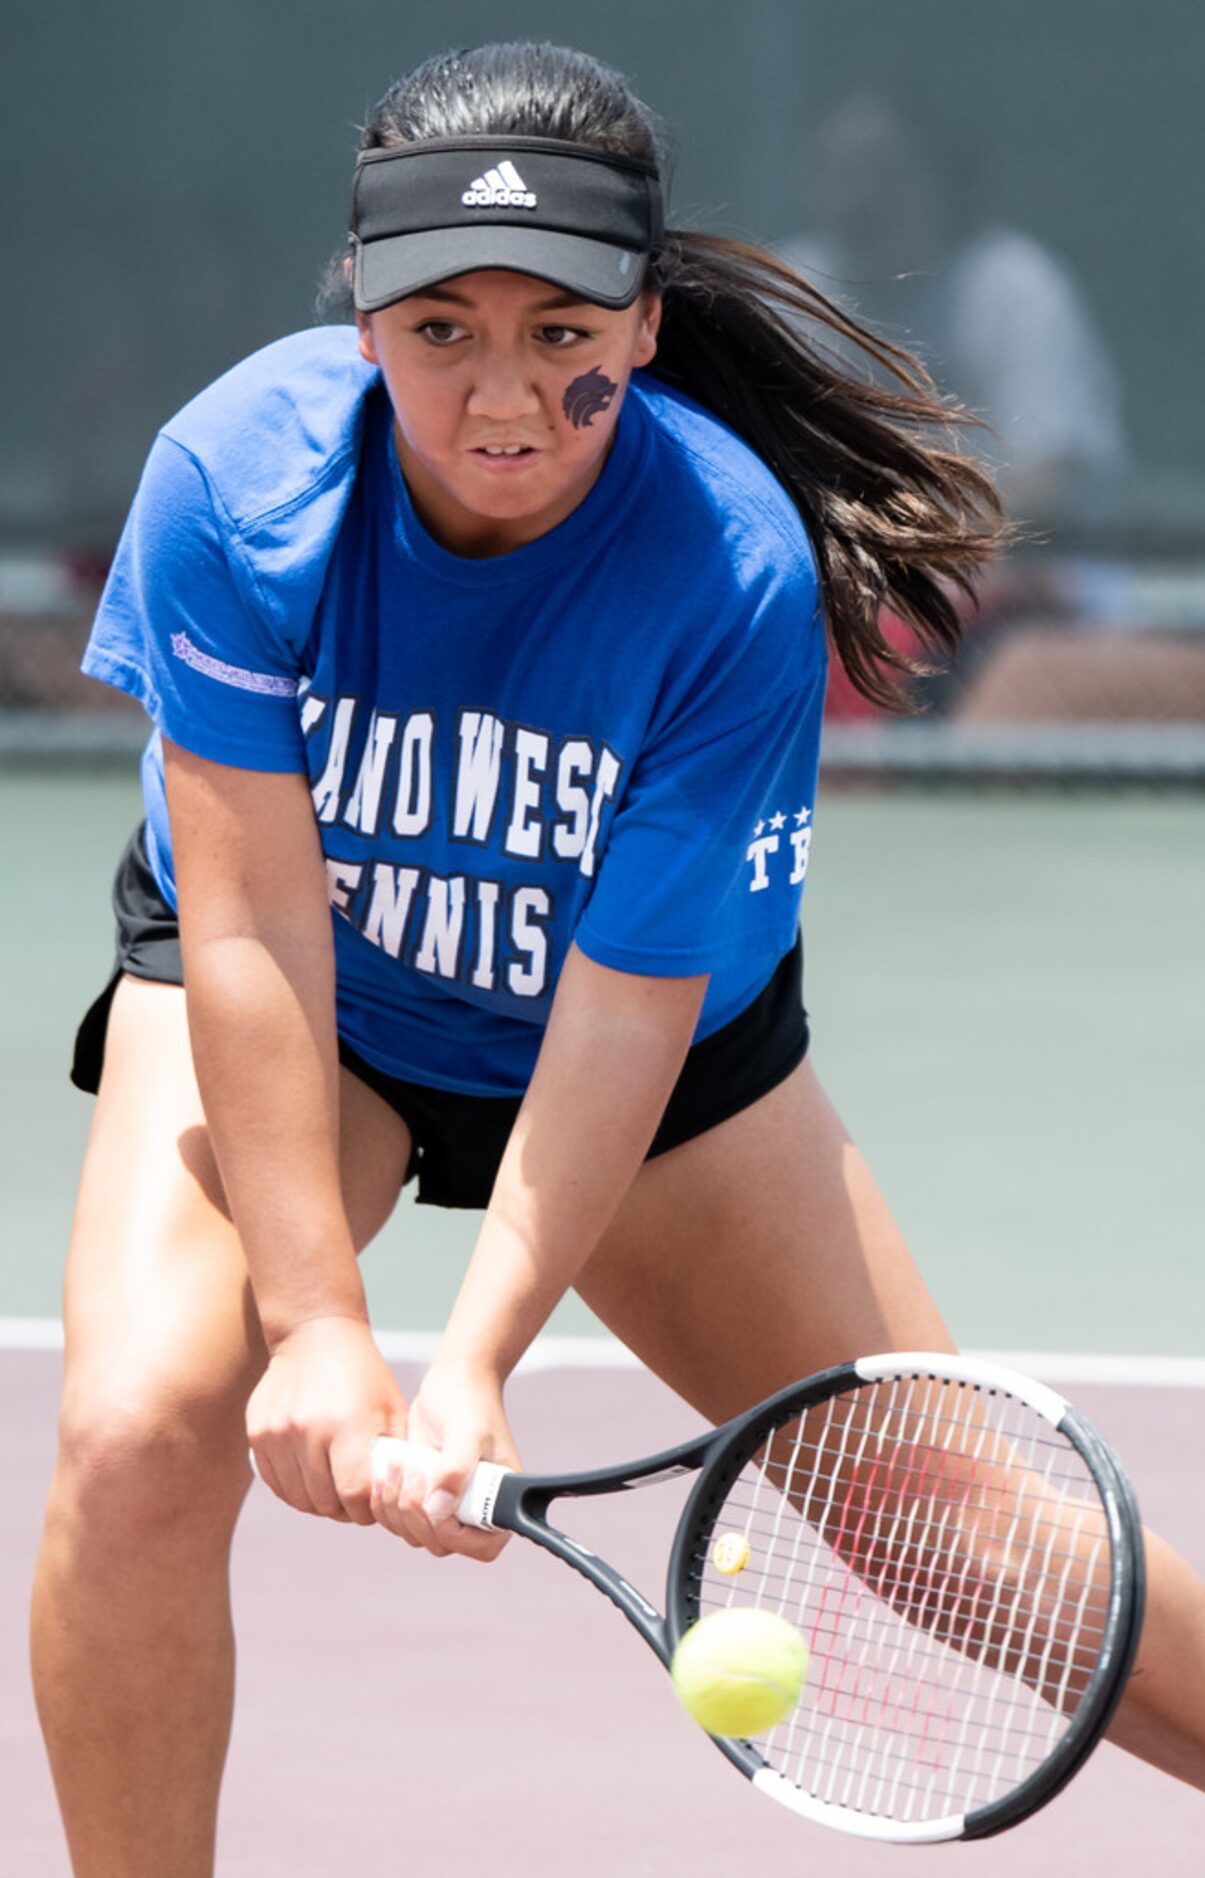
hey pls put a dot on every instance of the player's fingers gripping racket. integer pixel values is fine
(960, 1551)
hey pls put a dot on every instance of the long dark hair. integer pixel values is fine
(900, 517)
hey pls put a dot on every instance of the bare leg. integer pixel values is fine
(132, 1644)
(762, 1251)
(1162, 1717)
(757, 1253)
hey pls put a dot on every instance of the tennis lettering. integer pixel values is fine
(448, 926)
(503, 789)
(507, 785)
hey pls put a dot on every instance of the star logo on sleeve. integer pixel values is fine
(766, 843)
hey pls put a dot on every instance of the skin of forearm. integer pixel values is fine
(259, 976)
(267, 1069)
(611, 1055)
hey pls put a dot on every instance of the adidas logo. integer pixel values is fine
(502, 188)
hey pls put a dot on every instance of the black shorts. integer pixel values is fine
(459, 1139)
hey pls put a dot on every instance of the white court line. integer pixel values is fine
(552, 1352)
(31, 1333)
(400, 1346)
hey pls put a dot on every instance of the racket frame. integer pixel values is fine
(737, 1441)
(519, 1503)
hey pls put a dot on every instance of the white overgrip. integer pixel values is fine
(477, 1502)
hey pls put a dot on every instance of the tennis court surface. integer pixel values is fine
(436, 1718)
(1031, 1109)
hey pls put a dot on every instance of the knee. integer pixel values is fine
(146, 1465)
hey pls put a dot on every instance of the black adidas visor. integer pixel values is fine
(579, 218)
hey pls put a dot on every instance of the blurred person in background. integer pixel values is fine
(1004, 328)
(998, 318)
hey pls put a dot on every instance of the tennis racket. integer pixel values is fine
(960, 1550)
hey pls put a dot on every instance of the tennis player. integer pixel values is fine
(485, 645)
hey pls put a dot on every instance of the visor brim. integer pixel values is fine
(398, 265)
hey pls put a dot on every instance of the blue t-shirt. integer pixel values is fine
(609, 736)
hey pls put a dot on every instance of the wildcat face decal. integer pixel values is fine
(586, 397)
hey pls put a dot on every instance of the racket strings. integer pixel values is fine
(854, 1629)
(947, 1558)
(861, 1510)
(903, 1580)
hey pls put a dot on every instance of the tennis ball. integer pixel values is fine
(730, 1553)
(739, 1671)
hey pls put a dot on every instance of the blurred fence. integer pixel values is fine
(1046, 688)
(951, 170)
(1073, 670)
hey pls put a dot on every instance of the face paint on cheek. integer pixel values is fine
(586, 397)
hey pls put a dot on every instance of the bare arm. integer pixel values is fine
(612, 1052)
(259, 968)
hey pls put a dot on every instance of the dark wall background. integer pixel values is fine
(173, 178)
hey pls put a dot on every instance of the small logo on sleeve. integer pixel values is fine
(267, 684)
(772, 836)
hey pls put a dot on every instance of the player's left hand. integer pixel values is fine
(458, 1413)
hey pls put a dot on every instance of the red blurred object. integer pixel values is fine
(88, 569)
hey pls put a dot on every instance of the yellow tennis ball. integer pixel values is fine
(740, 1671)
(730, 1553)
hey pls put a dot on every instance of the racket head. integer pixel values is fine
(886, 1507)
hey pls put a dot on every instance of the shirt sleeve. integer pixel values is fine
(708, 850)
(181, 629)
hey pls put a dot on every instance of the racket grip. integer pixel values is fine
(476, 1502)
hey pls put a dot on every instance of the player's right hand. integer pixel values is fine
(456, 1419)
(325, 1396)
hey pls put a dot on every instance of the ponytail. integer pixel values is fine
(897, 514)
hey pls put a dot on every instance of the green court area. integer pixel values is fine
(1007, 1006)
